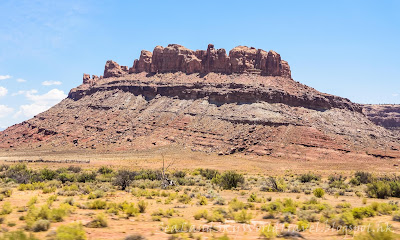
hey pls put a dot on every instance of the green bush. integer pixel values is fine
(208, 173)
(378, 233)
(268, 232)
(71, 231)
(236, 205)
(229, 180)
(203, 200)
(18, 235)
(308, 177)
(242, 217)
(184, 198)
(319, 192)
(124, 178)
(97, 204)
(302, 226)
(105, 170)
(362, 212)
(41, 225)
(379, 189)
(201, 214)
(176, 225)
(142, 205)
(7, 209)
(47, 174)
(99, 221)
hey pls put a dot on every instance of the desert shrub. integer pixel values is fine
(308, 177)
(96, 194)
(208, 173)
(142, 205)
(148, 174)
(307, 215)
(216, 216)
(7, 209)
(74, 169)
(49, 190)
(129, 209)
(203, 200)
(274, 184)
(319, 192)
(47, 174)
(6, 192)
(395, 188)
(86, 177)
(268, 232)
(361, 177)
(219, 201)
(71, 231)
(396, 217)
(201, 214)
(99, 221)
(345, 219)
(176, 225)
(253, 198)
(236, 205)
(179, 174)
(362, 212)
(337, 181)
(242, 216)
(184, 198)
(229, 180)
(379, 189)
(124, 178)
(97, 204)
(135, 237)
(17, 235)
(66, 177)
(69, 201)
(41, 225)
(105, 170)
(19, 173)
(378, 233)
(302, 226)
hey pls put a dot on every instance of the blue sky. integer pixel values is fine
(346, 48)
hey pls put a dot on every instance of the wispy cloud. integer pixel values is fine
(5, 111)
(20, 80)
(25, 92)
(51, 83)
(3, 91)
(39, 103)
(4, 77)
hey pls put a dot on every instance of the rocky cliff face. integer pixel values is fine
(385, 115)
(176, 58)
(205, 100)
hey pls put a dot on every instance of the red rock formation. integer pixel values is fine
(113, 69)
(143, 64)
(86, 78)
(176, 58)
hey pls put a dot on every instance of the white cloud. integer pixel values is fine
(3, 91)
(395, 94)
(24, 92)
(5, 111)
(50, 83)
(4, 77)
(20, 80)
(39, 103)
